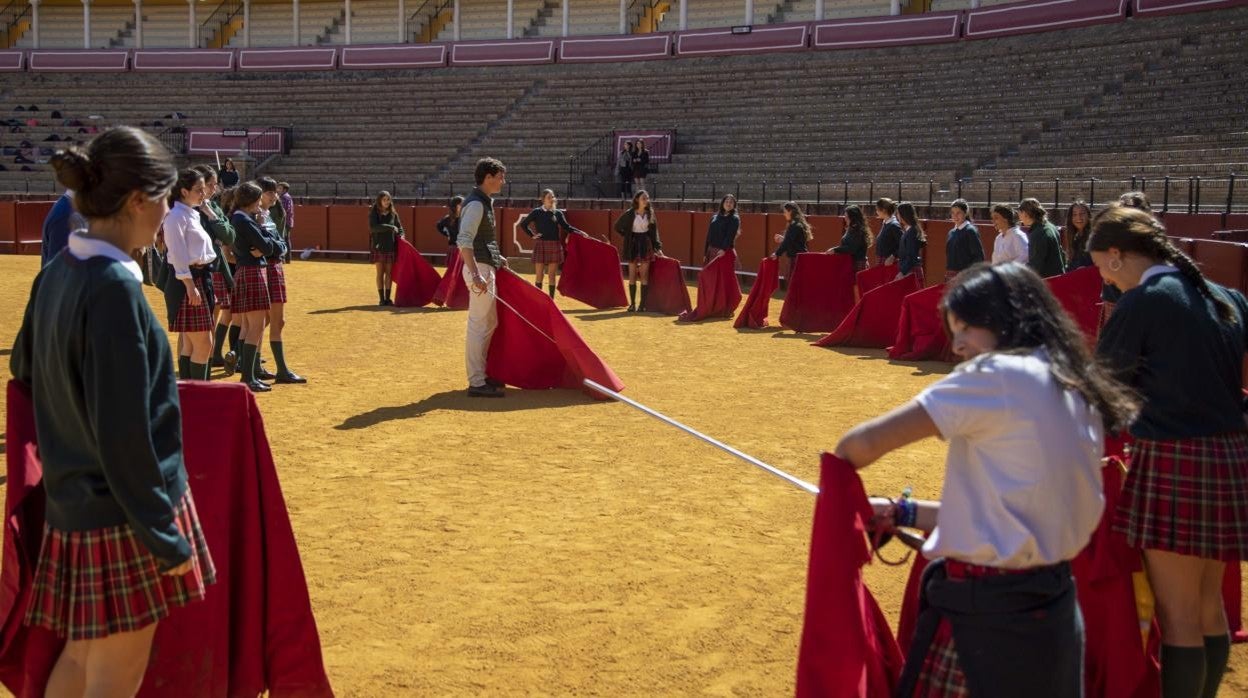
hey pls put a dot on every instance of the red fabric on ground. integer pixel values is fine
(1079, 292)
(873, 321)
(523, 355)
(452, 291)
(820, 294)
(719, 292)
(910, 603)
(415, 280)
(668, 293)
(847, 647)
(754, 313)
(591, 273)
(874, 277)
(255, 630)
(920, 330)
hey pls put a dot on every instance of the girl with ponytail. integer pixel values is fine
(1179, 340)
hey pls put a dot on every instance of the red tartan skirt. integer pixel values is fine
(1188, 496)
(277, 282)
(251, 289)
(547, 252)
(375, 257)
(941, 676)
(220, 291)
(92, 584)
(637, 248)
(192, 318)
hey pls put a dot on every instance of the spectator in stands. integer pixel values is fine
(1076, 231)
(229, 174)
(913, 240)
(624, 167)
(276, 278)
(639, 228)
(723, 231)
(385, 231)
(796, 238)
(1011, 242)
(288, 208)
(1179, 341)
(1044, 245)
(547, 248)
(963, 247)
(448, 227)
(60, 222)
(641, 164)
(888, 242)
(857, 238)
(188, 295)
(478, 247)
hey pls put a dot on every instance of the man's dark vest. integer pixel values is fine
(485, 244)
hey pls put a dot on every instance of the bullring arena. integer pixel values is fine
(550, 543)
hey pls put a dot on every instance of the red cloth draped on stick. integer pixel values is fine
(254, 631)
(591, 273)
(874, 277)
(820, 294)
(415, 280)
(523, 355)
(1079, 292)
(754, 313)
(452, 291)
(668, 293)
(847, 647)
(719, 293)
(920, 330)
(873, 321)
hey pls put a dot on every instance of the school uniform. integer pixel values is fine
(191, 254)
(276, 273)
(547, 249)
(721, 235)
(1044, 250)
(1079, 255)
(118, 509)
(999, 601)
(384, 233)
(222, 233)
(1010, 246)
(229, 178)
(1186, 491)
(448, 228)
(624, 167)
(59, 223)
(888, 242)
(794, 242)
(910, 253)
(251, 279)
(962, 249)
(640, 234)
(854, 244)
(641, 166)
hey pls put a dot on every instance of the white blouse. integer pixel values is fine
(187, 242)
(641, 223)
(1010, 246)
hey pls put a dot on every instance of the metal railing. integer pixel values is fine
(421, 21)
(174, 139)
(11, 15)
(266, 146)
(586, 163)
(215, 23)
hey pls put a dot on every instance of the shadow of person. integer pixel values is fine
(458, 400)
(587, 311)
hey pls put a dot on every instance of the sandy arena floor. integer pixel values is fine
(547, 543)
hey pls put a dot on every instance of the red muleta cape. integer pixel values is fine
(591, 273)
(873, 321)
(920, 329)
(847, 650)
(874, 277)
(415, 280)
(668, 293)
(754, 313)
(719, 293)
(254, 631)
(820, 294)
(525, 356)
(1079, 292)
(452, 291)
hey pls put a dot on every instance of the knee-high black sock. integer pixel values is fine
(552, 291)
(538, 284)
(632, 294)
(381, 296)
(246, 362)
(387, 293)
(1182, 671)
(184, 367)
(198, 372)
(279, 355)
(218, 339)
(234, 332)
(645, 289)
(1217, 654)
(255, 362)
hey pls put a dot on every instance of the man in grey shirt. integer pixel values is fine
(478, 247)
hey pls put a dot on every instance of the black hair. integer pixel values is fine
(1078, 239)
(908, 215)
(649, 204)
(799, 219)
(1006, 212)
(187, 179)
(725, 212)
(487, 167)
(267, 184)
(858, 221)
(961, 203)
(245, 195)
(455, 201)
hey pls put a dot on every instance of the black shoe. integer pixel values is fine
(265, 374)
(258, 387)
(632, 308)
(494, 382)
(290, 378)
(388, 302)
(484, 391)
(231, 363)
(218, 361)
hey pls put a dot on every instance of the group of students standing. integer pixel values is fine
(632, 164)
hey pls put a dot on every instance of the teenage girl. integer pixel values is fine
(214, 220)
(639, 227)
(122, 545)
(386, 230)
(1024, 416)
(276, 276)
(913, 240)
(857, 238)
(796, 238)
(1078, 228)
(188, 295)
(251, 286)
(547, 249)
(723, 231)
(448, 227)
(1179, 340)
(963, 248)
(888, 242)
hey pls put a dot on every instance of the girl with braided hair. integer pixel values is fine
(1179, 340)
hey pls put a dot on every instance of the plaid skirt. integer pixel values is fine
(941, 676)
(950, 274)
(277, 282)
(193, 318)
(1188, 496)
(547, 252)
(92, 584)
(375, 257)
(220, 291)
(251, 289)
(637, 248)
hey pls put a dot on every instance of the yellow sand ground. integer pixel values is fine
(548, 544)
